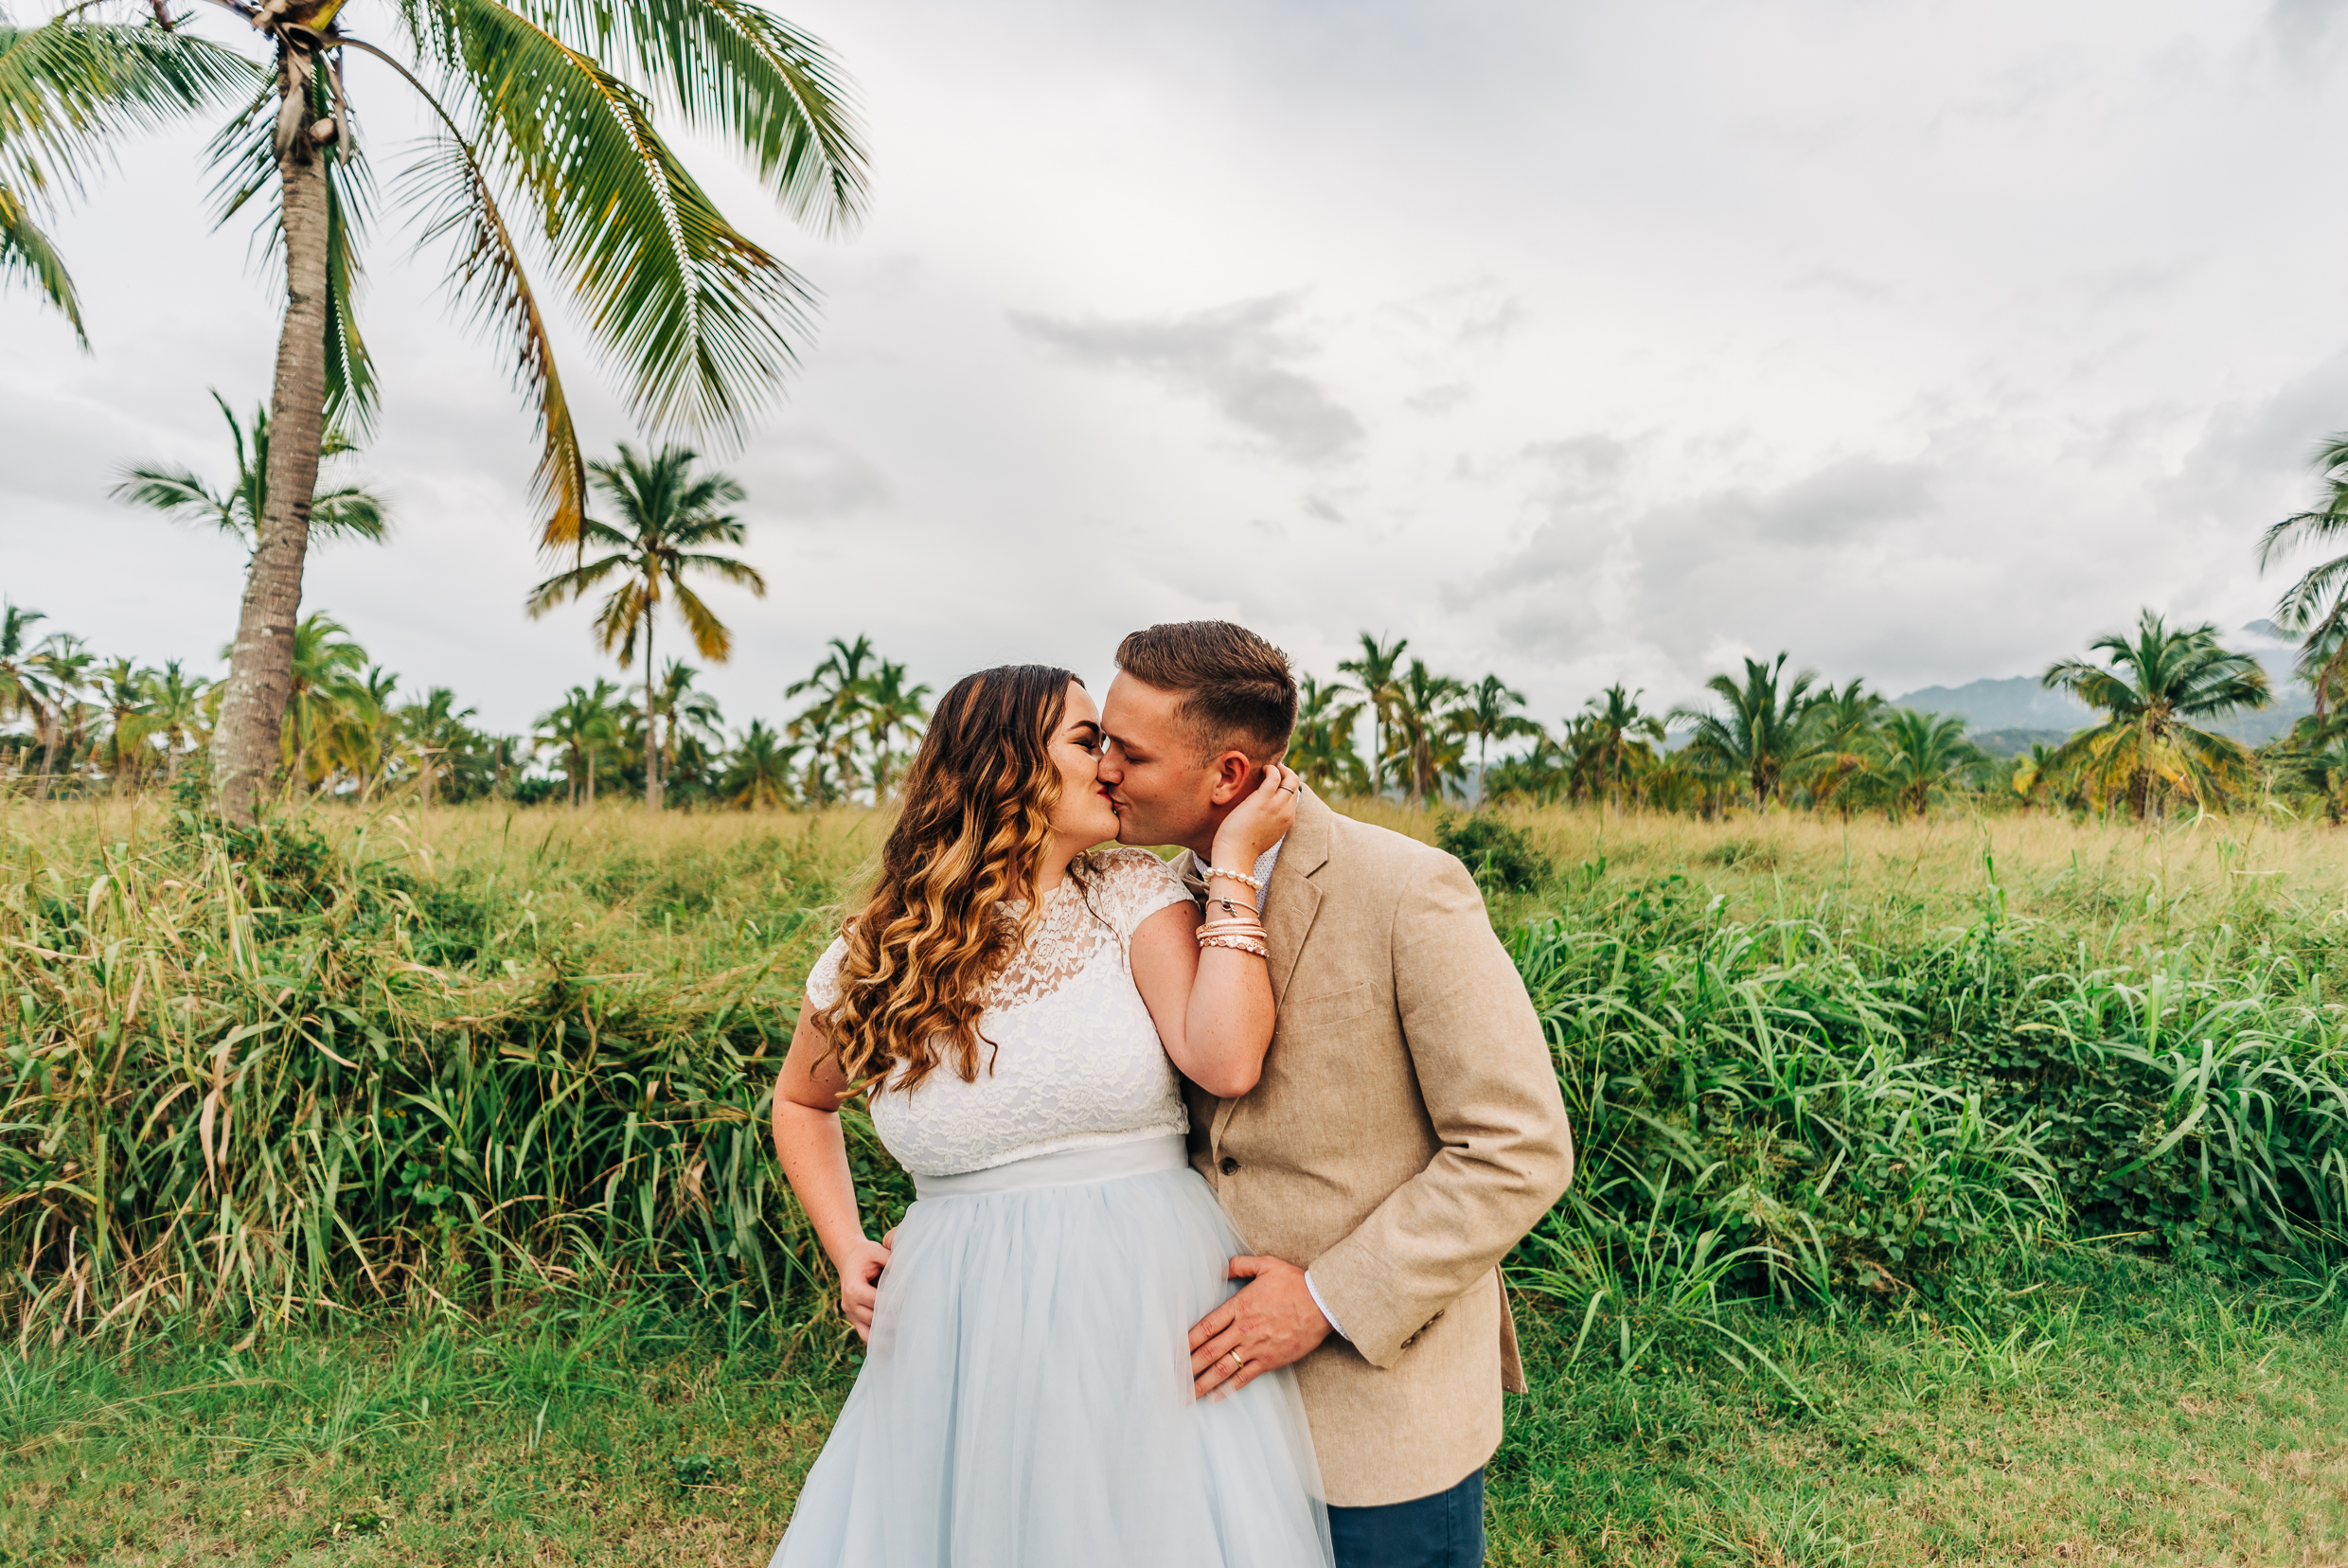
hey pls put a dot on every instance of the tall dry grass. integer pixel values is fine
(438, 1057)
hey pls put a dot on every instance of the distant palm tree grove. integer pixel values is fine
(1767, 737)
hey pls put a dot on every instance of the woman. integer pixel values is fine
(1010, 1004)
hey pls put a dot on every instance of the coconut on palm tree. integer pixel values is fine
(1761, 736)
(2150, 688)
(344, 512)
(668, 518)
(549, 106)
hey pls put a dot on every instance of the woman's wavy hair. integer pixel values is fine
(972, 834)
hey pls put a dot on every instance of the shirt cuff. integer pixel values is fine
(1336, 1327)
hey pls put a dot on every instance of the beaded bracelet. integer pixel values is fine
(1256, 883)
(1238, 943)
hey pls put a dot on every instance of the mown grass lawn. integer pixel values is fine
(2105, 1411)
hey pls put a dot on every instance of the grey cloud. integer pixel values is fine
(1491, 324)
(1239, 357)
(1440, 399)
(807, 477)
(1322, 510)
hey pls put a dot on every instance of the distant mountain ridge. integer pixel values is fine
(2008, 715)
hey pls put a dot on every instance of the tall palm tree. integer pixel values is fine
(2316, 606)
(1485, 716)
(669, 517)
(549, 104)
(2155, 684)
(1613, 737)
(65, 664)
(1374, 671)
(1423, 703)
(331, 705)
(1322, 748)
(1844, 730)
(126, 692)
(582, 726)
(1921, 755)
(175, 714)
(345, 511)
(678, 708)
(891, 711)
(70, 88)
(1761, 736)
(759, 771)
(436, 729)
(23, 691)
(826, 728)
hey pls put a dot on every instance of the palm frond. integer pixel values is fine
(175, 491)
(709, 633)
(69, 89)
(739, 70)
(27, 254)
(698, 317)
(568, 585)
(740, 574)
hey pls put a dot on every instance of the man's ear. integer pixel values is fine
(1235, 774)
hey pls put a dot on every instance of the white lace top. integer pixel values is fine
(1076, 1058)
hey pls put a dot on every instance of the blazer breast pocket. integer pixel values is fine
(1329, 1009)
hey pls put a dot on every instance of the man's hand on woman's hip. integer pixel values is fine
(1269, 1323)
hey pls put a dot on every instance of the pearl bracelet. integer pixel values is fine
(1255, 884)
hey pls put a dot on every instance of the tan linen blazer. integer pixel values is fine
(1407, 1130)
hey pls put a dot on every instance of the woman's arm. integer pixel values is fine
(807, 1096)
(1213, 1005)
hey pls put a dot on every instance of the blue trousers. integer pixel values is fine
(1442, 1532)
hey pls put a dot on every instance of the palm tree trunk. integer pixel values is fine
(261, 663)
(652, 727)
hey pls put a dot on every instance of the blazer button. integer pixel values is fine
(1229, 1165)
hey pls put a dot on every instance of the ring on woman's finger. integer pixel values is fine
(1238, 1363)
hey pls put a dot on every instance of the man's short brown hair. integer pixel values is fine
(1237, 693)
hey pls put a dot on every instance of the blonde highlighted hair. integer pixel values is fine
(971, 836)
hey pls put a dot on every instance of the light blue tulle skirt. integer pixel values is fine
(1025, 1397)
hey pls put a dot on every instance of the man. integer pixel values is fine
(1408, 1128)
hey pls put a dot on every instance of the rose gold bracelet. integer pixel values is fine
(1237, 944)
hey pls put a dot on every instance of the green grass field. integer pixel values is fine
(1877, 1292)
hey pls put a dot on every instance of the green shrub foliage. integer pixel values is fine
(258, 1076)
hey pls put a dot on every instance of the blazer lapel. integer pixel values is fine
(1291, 904)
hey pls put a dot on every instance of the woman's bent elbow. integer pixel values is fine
(1233, 1084)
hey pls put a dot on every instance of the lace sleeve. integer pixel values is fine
(822, 982)
(1133, 885)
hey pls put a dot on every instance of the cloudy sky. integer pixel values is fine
(1579, 343)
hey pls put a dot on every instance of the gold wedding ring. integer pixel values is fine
(1238, 1363)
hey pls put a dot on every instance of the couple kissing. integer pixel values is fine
(1216, 1157)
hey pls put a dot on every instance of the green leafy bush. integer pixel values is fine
(1501, 856)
